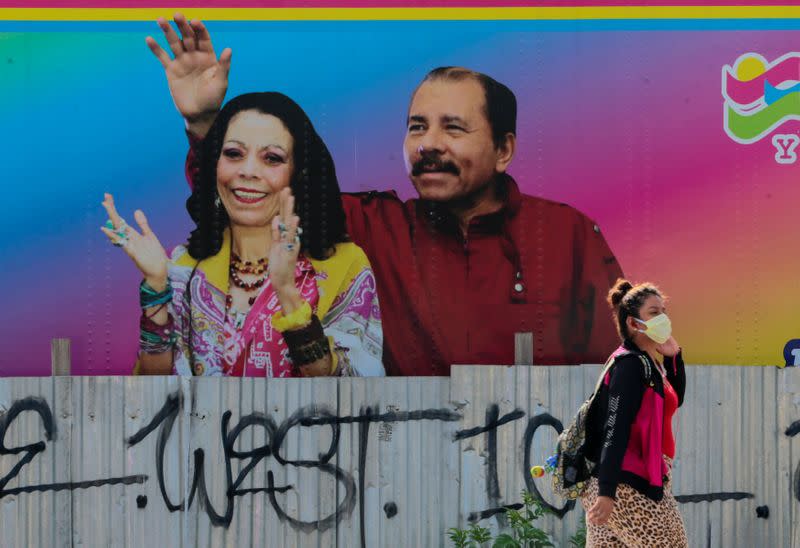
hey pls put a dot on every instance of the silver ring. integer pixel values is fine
(122, 231)
(289, 247)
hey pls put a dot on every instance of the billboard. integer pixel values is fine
(673, 127)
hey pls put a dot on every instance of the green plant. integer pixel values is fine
(524, 534)
(578, 540)
(460, 537)
(468, 538)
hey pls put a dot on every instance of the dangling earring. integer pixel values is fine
(217, 202)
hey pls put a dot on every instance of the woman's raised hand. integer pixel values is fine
(146, 251)
(669, 348)
(285, 244)
(197, 79)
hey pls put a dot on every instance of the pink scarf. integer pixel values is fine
(258, 350)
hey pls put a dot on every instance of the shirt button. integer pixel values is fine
(518, 287)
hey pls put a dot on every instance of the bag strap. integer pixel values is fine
(606, 369)
(610, 363)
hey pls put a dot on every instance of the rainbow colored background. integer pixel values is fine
(621, 116)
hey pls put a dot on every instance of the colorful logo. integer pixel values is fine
(759, 98)
(791, 353)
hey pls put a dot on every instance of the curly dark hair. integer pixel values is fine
(318, 202)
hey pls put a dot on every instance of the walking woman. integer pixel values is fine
(629, 501)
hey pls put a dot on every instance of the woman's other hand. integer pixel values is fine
(601, 510)
(197, 79)
(145, 249)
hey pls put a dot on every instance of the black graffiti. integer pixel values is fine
(390, 509)
(477, 516)
(309, 416)
(363, 442)
(392, 416)
(164, 420)
(791, 432)
(39, 406)
(711, 497)
(543, 419)
(72, 485)
(492, 423)
(366, 417)
(793, 429)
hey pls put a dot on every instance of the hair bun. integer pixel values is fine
(618, 292)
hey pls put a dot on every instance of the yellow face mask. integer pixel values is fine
(658, 328)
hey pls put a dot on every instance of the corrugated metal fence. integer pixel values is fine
(166, 461)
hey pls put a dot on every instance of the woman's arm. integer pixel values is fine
(155, 332)
(154, 364)
(302, 331)
(303, 334)
(673, 364)
(150, 258)
(676, 374)
(197, 79)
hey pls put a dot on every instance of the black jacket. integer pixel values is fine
(614, 411)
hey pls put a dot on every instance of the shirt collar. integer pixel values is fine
(438, 216)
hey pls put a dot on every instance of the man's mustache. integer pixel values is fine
(433, 163)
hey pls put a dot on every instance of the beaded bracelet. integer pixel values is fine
(308, 344)
(155, 338)
(310, 352)
(149, 297)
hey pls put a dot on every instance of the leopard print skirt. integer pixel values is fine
(637, 521)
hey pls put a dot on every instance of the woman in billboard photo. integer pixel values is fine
(268, 284)
(629, 501)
